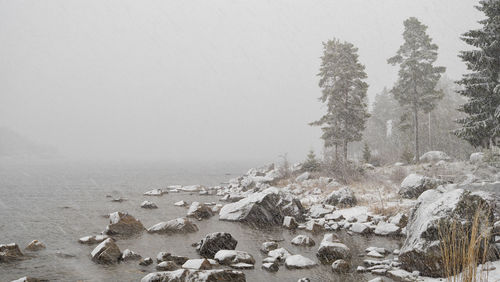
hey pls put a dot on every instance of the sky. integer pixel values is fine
(220, 80)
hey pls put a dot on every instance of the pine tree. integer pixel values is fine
(311, 163)
(344, 93)
(416, 85)
(481, 86)
(367, 154)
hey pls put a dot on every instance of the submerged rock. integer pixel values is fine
(342, 197)
(181, 203)
(148, 205)
(155, 192)
(123, 224)
(179, 225)
(437, 210)
(106, 252)
(414, 185)
(219, 275)
(93, 239)
(35, 245)
(29, 279)
(10, 252)
(214, 242)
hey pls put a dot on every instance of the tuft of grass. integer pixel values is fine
(463, 247)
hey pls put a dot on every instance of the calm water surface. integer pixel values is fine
(59, 202)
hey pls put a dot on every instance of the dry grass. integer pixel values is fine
(398, 174)
(461, 253)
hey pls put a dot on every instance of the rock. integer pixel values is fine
(167, 266)
(336, 216)
(241, 265)
(319, 210)
(374, 254)
(219, 275)
(379, 250)
(400, 275)
(199, 211)
(10, 252)
(436, 210)
(399, 220)
(180, 204)
(228, 257)
(304, 176)
(146, 261)
(130, 255)
(342, 197)
(164, 256)
(313, 227)
(148, 205)
(434, 156)
(378, 279)
(197, 264)
(123, 224)
(270, 266)
(106, 252)
(414, 185)
(360, 228)
(93, 239)
(35, 245)
(341, 266)
(331, 250)
(155, 192)
(304, 279)
(266, 247)
(298, 262)
(262, 209)
(387, 229)
(214, 242)
(29, 279)
(190, 188)
(290, 223)
(303, 240)
(279, 254)
(179, 225)
(476, 157)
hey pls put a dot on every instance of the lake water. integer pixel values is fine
(59, 202)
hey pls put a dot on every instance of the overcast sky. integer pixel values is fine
(195, 80)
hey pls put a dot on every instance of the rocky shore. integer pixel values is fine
(410, 204)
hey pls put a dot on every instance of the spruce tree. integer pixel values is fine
(344, 93)
(311, 163)
(416, 85)
(367, 154)
(481, 86)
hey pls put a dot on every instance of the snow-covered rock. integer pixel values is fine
(436, 210)
(434, 156)
(167, 266)
(279, 254)
(229, 257)
(106, 252)
(92, 239)
(360, 228)
(302, 177)
(165, 256)
(214, 242)
(179, 225)
(303, 240)
(219, 275)
(387, 229)
(342, 197)
(331, 250)
(155, 192)
(476, 157)
(35, 245)
(414, 185)
(148, 205)
(270, 266)
(197, 264)
(298, 262)
(266, 247)
(190, 188)
(123, 224)
(146, 261)
(199, 211)
(10, 252)
(180, 203)
(130, 255)
(320, 210)
(290, 223)
(400, 219)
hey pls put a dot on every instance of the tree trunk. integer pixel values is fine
(430, 136)
(417, 153)
(345, 149)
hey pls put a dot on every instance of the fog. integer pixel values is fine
(195, 80)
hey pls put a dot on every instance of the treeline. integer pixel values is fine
(423, 110)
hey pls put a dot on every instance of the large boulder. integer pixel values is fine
(214, 242)
(331, 250)
(342, 197)
(219, 275)
(179, 225)
(123, 224)
(106, 252)
(265, 208)
(432, 216)
(434, 156)
(10, 252)
(415, 184)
